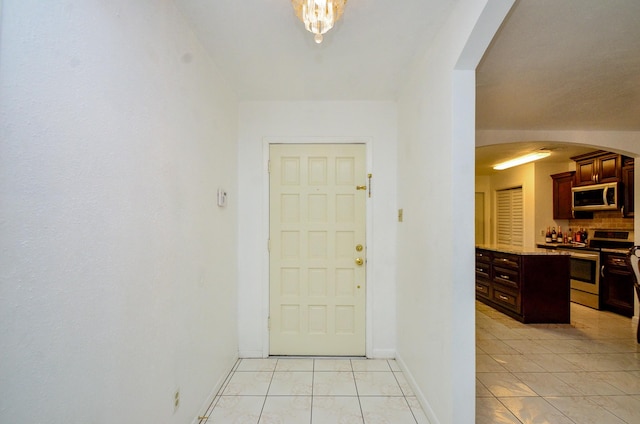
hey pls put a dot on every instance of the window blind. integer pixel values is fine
(509, 216)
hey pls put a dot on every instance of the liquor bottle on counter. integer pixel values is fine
(577, 237)
(560, 237)
(554, 235)
(585, 235)
(570, 236)
(547, 237)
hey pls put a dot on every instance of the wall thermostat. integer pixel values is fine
(222, 198)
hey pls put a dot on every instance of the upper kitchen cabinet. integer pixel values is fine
(598, 167)
(628, 187)
(562, 184)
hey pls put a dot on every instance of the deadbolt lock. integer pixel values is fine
(359, 248)
(359, 261)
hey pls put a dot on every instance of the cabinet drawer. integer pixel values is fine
(483, 288)
(506, 276)
(506, 299)
(616, 261)
(483, 256)
(506, 260)
(483, 269)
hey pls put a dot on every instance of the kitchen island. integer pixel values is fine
(530, 285)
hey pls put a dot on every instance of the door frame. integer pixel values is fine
(266, 142)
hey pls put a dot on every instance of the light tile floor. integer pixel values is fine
(317, 391)
(579, 373)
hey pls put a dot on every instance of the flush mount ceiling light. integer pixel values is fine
(522, 160)
(318, 16)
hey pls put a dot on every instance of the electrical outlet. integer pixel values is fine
(176, 400)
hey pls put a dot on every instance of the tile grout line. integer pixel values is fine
(355, 383)
(313, 379)
(266, 395)
(218, 395)
(404, 395)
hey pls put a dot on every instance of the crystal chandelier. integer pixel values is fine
(318, 15)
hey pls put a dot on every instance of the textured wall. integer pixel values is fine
(435, 243)
(117, 269)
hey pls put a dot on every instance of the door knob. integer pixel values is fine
(359, 261)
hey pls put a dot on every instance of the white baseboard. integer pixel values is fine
(426, 407)
(383, 354)
(216, 388)
(246, 354)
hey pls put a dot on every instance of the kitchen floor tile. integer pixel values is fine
(486, 363)
(514, 363)
(626, 408)
(627, 382)
(584, 372)
(546, 384)
(588, 383)
(492, 411)
(534, 410)
(505, 384)
(584, 409)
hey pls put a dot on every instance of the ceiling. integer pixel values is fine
(553, 65)
(266, 54)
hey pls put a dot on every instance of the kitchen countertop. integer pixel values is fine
(521, 250)
(549, 246)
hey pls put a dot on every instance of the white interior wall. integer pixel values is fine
(435, 243)
(321, 122)
(483, 185)
(520, 176)
(117, 269)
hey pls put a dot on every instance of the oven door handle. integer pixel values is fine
(602, 271)
(590, 257)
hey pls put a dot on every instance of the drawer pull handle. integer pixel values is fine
(503, 297)
(480, 269)
(504, 277)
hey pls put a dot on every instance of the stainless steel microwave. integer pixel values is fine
(597, 197)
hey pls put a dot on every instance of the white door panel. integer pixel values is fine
(317, 219)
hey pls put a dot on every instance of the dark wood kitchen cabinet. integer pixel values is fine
(532, 287)
(562, 184)
(598, 167)
(616, 285)
(628, 187)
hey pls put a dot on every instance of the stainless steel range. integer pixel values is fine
(585, 261)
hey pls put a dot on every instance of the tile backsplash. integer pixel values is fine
(603, 219)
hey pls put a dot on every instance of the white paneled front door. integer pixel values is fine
(317, 249)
